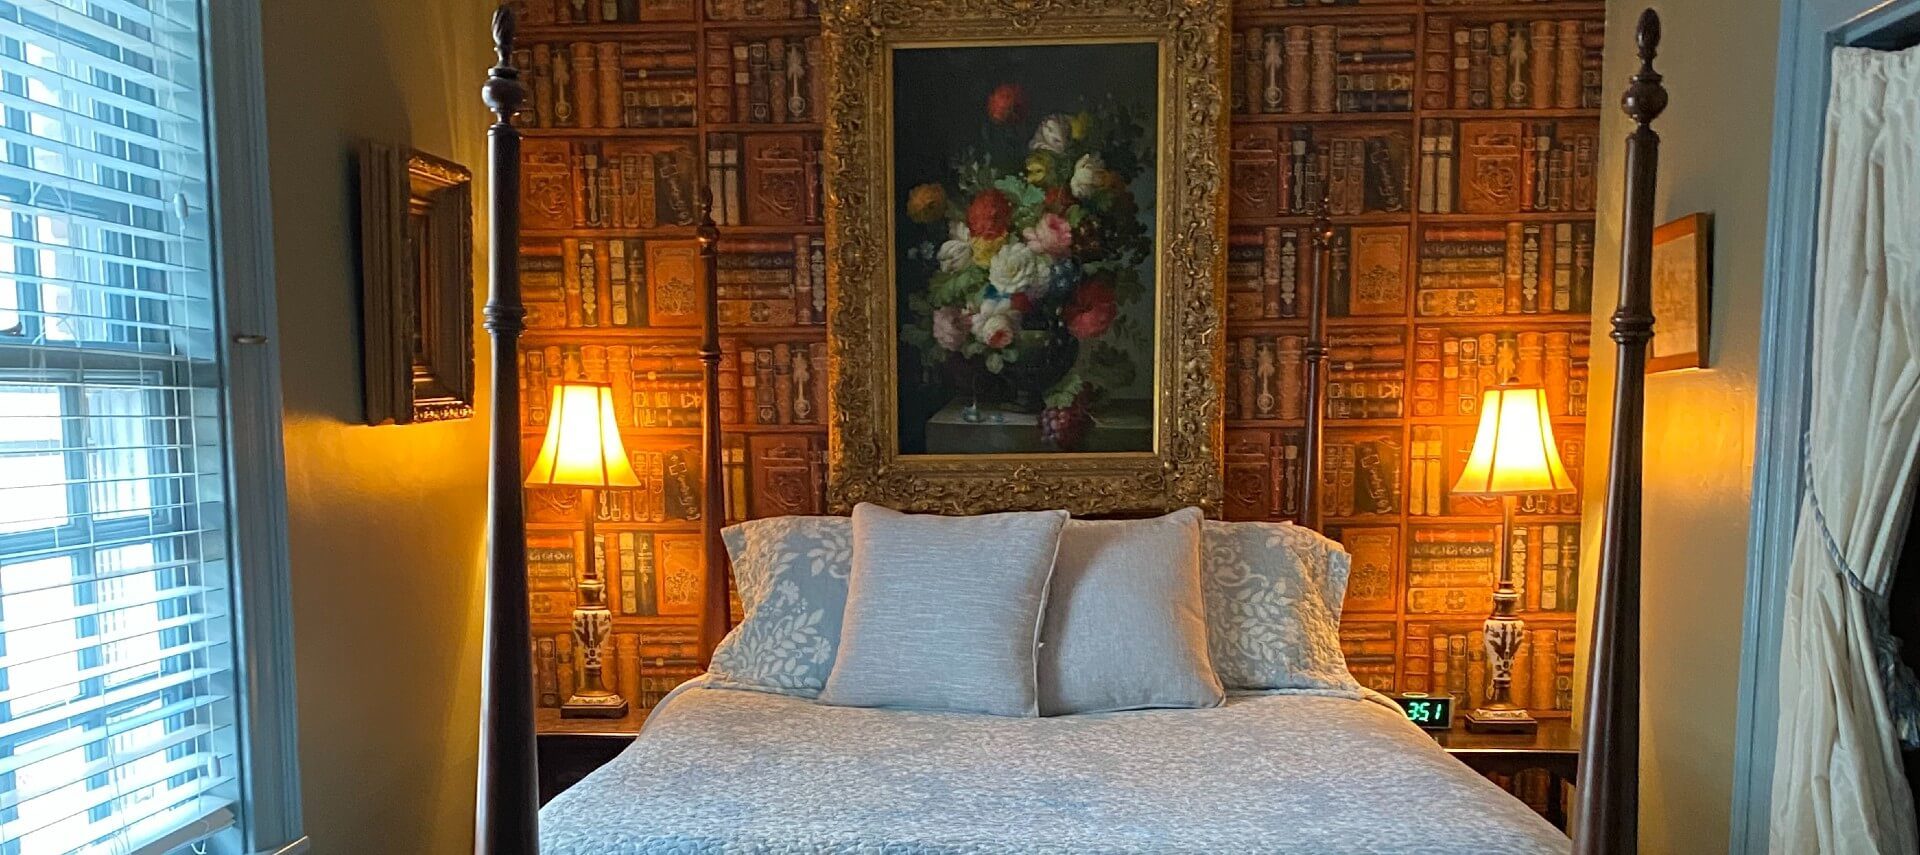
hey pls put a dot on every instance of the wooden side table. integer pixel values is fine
(569, 748)
(565, 758)
(1552, 749)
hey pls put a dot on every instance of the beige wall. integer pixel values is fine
(386, 522)
(1718, 59)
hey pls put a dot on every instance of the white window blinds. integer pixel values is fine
(116, 690)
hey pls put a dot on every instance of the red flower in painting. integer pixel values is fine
(1092, 310)
(1007, 104)
(1058, 200)
(1021, 302)
(990, 215)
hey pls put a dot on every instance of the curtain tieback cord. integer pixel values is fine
(1903, 690)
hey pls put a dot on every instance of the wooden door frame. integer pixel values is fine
(1809, 30)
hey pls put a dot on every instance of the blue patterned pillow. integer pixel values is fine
(792, 576)
(1273, 594)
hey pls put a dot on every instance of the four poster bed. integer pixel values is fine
(728, 770)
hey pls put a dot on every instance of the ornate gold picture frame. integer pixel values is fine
(1026, 217)
(416, 281)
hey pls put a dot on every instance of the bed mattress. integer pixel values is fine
(721, 770)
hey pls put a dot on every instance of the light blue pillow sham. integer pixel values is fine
(1274, 592)
(943, 613)
(791, 573)
(1126, 624)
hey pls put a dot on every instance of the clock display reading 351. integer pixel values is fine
(1432, 712)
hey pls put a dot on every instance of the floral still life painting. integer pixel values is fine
(1025, 248)
(1026, 271)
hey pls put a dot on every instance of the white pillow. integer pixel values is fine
(943, 613)
(1126, 624)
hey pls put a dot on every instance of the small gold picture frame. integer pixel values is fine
(1682, 305)
(416, 286)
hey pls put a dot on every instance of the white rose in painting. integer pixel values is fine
(1052, 135)
(1016, 268)
(995, 323)
(956, 255)
(1089, 175)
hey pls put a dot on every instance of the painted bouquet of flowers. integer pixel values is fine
(1035, 246)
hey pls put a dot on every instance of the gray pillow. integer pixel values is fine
(1126, 625)
(1274, 592)
(792, 577)
(943, 613)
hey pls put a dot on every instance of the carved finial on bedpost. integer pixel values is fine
(1644, 101)
(1323, 217)
(503, 92)
(1646, 98)
(708, 232)
(1646, 35)
(503, 31)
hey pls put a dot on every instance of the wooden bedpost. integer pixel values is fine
(1315, 351)
(1607, 813)
(507, 813)
(716, 608)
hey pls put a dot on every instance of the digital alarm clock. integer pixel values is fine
(1429, 712)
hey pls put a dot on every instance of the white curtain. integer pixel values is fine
(1838, 786)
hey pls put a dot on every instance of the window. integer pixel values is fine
(118, 716)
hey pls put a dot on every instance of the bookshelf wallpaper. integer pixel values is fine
(1456, 141)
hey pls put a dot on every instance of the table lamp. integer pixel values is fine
(583, 449)
(1513, 454)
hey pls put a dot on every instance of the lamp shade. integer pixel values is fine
(582, 448)
(1514, 451)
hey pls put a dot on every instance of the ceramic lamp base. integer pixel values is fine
(594, 706)
(1501, 721)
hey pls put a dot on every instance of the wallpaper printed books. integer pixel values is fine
(637, 107)
(1457, 143)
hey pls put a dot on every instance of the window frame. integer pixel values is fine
(243, 264)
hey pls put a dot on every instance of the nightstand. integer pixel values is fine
(565, 758)
(1551, 749)
(572, 747)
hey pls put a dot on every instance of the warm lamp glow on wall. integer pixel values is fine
(583, 449)
(1513, 455)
